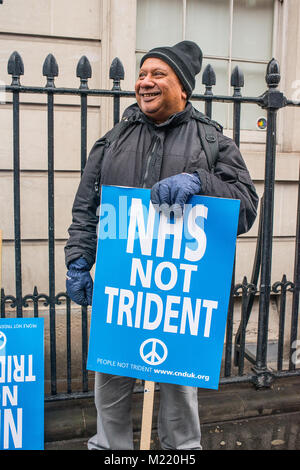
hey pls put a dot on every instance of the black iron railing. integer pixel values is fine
(235, 348)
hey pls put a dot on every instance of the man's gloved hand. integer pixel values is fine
(79, 283)
(173, 192)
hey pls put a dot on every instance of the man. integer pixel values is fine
(159, 144)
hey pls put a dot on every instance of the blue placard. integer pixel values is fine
(162, 288)
(21, 383)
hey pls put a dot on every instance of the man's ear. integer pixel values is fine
(184, 94)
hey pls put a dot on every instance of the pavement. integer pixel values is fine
(281, 432)
(235, 417)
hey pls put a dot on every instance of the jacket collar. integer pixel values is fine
(134, 113)
(174, 120)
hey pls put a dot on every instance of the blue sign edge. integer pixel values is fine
(34, 320)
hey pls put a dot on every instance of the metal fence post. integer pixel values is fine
(237, 82)
(116, 73)
(84, 72)
(209, 80)
(296, 289)
(273, 101)
(50, 70)
(15, 68)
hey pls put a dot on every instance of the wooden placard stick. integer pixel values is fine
(147, 415)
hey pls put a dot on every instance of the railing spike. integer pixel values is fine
(15, 67)
(208, 79)
(116, 71)
(84, 71)
(50, 69)
(209, 76)
(237, 78)
(273, 73)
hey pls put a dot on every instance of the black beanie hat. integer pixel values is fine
(185, 58)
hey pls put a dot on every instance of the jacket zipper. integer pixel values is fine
(149, 160)
(97, 180)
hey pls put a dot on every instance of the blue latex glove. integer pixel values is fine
(79, 283)
(175, 191)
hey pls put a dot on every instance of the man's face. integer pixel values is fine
(158, 90)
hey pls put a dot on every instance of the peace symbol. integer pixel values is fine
(150, 355)
(2, 340)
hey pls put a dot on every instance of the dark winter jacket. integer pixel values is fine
(145, 153)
